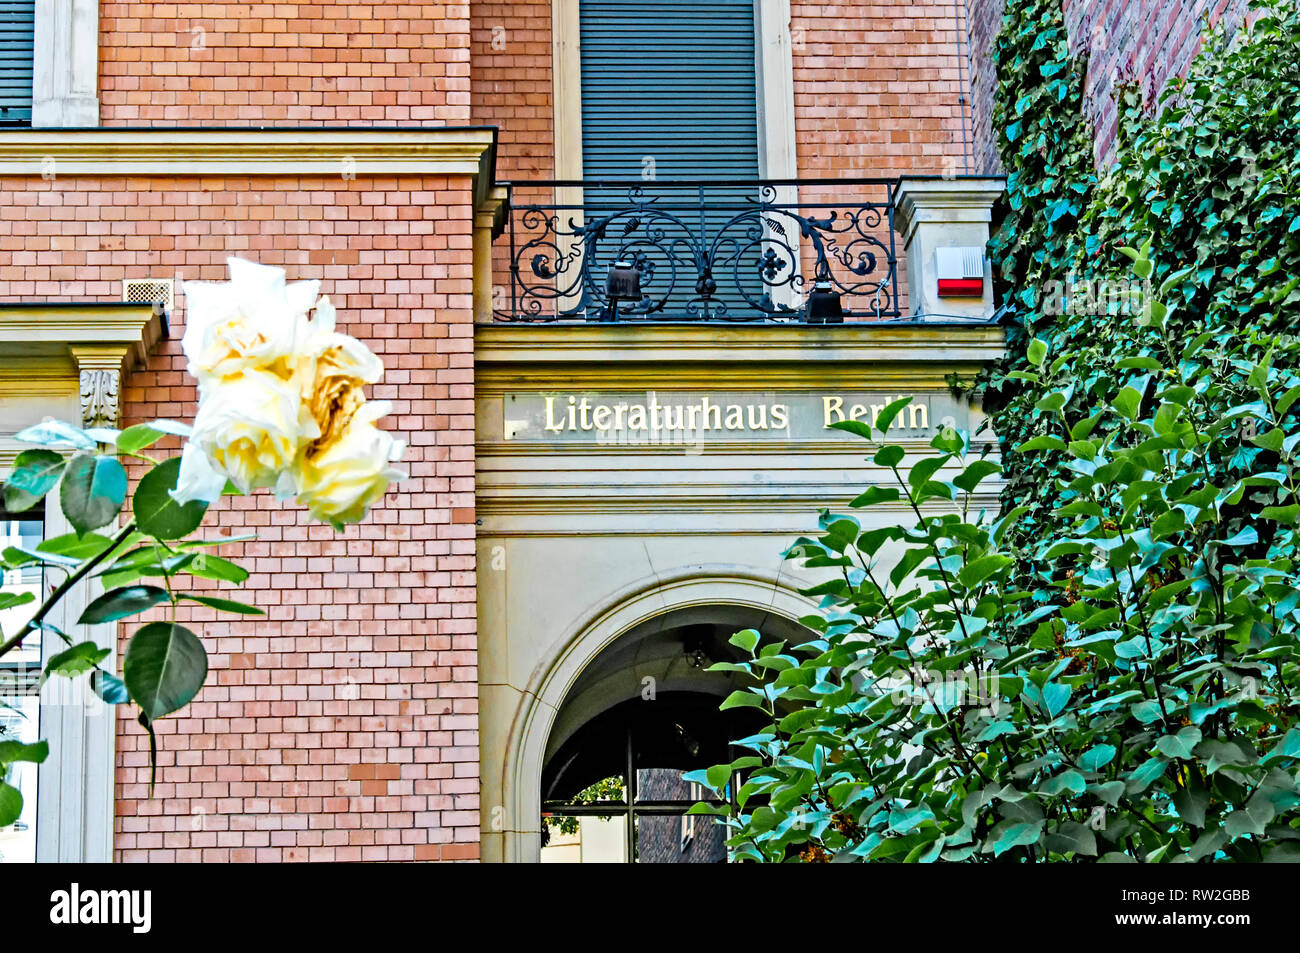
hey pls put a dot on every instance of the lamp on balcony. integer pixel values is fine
(824, 305)
(622, 283)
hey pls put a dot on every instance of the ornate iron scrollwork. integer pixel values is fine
(721, 251)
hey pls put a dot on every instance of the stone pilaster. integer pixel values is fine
(935, 213)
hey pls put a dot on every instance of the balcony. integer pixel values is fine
(767, 251)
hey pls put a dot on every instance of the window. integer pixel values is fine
(688, 820)
(615, 792)
(670, 94)
(20, 685)
(17, 30)
(669, 89)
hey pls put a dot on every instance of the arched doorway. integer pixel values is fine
(640, 714)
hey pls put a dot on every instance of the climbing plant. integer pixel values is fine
(1108, 669)
(1208, 171)
(1138, 700)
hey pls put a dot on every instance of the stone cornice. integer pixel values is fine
(945, 201)
(688, 350)
(345, 152)
(83, 331)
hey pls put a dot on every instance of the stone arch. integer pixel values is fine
(690, 596)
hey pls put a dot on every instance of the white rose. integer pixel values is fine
(254, 320)
(340, 476)
(331, 374)
(198, 478)
(248, 427)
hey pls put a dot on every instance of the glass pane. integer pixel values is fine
(683, 839)
(665, 784)
(585, 840)
(19, 688)
(607, 790)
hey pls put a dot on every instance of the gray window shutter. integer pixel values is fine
(16, 24)
(670, 81)
(669, 92)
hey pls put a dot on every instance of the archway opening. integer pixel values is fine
(643, 712)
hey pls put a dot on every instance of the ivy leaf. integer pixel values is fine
(1251, 818)
(1072, 837)
(1181, 744)
(1288, 747)
(1055, 695)
(1097, 757)
(1008, 835)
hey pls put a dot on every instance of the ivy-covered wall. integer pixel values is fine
(1142, 42)
(1210, 176)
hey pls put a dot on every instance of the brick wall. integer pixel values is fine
(1126, 41)
(291, 63)
(343, 725)
(877, 87)
(511, 86)
(984, 19)
(1136, 41)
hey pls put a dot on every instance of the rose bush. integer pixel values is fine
(281, 406)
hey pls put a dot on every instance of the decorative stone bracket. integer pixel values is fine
(91, 344)
(99, 372)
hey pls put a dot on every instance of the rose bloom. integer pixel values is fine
(281, 400)
(248, 427)
(255, 320)
(331, 374)
(344, 472)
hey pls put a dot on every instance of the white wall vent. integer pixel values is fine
(161, 291)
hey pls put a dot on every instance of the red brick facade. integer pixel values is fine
(877, 88)
(240, 64)
(343, 725)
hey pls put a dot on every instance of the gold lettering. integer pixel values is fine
(551, 423)
(716, 422)
(832, 410)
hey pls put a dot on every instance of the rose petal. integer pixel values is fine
(198, 478)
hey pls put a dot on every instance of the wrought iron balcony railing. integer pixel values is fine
(703, 250)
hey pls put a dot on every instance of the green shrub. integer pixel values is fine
(1140, 703)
